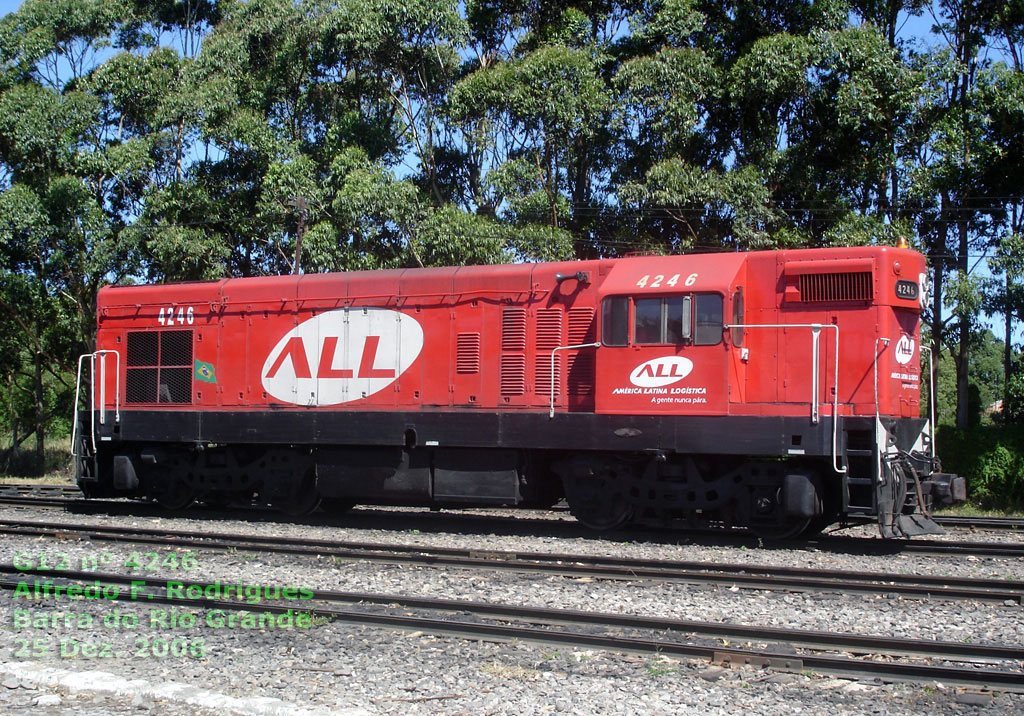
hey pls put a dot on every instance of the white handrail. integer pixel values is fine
(931, 398)
(74, 417)
(815, 332)
(875, 365)
(101, 354)
(551, 411)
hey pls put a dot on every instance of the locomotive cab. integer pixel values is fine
(787, 384)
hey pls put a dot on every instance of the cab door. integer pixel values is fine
(663, 354)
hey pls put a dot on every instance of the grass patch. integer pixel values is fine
(58, 469)
(970, 509)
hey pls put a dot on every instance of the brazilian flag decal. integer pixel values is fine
(204, 372)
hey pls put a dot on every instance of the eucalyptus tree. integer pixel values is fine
(957, 172)
(91, 120)
(52, 228)
(533, 111)
(1005, 296)
(672, 167)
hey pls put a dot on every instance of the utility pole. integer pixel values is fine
(299, 203)
(40, 446)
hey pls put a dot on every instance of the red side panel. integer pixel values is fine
(515, 337)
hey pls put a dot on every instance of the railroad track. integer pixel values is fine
(743, 576)
(825, 652)
(70, 497)
(981, 523)
(39, 495)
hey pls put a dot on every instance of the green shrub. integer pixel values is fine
(991, 457)
(22, 462)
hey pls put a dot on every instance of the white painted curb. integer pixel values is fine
(30, 673)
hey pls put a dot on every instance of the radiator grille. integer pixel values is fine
(159, 367)
(851, 286)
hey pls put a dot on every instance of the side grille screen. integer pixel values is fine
(159, 367)
(854, 286)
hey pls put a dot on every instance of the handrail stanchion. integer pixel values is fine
(551, 411)
(816, 330)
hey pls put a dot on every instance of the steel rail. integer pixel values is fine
(543, 619)
(828, 542)
(918, 546)
(987, 523)
(15, 489)
(739, 575)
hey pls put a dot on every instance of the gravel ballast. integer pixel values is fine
(157, 664)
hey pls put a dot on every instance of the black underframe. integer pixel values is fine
(722, 435)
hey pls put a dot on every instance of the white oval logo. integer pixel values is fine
(904, 350)
(341, 356)
(660, 372)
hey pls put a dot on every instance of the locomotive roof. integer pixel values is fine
(711, 271)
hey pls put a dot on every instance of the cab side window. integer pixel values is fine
(658, 321)
(708, 321)
(647, 320)
(615, 321)
(737, 317)
(670, 320)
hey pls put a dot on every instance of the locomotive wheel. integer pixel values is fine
(336, 505)
(788, 528)
(174, 495)
(223, 499)
(597, 502)
(302, 497)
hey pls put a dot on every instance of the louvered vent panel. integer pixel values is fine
(467, 353)
(581, 373)
(513, 375)
(582, 328)
(836, 286)
(549, 329)
(549, 337)
(513, 329)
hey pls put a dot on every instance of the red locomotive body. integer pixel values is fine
(777, 390)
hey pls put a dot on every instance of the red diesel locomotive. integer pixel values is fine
(776, 390)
